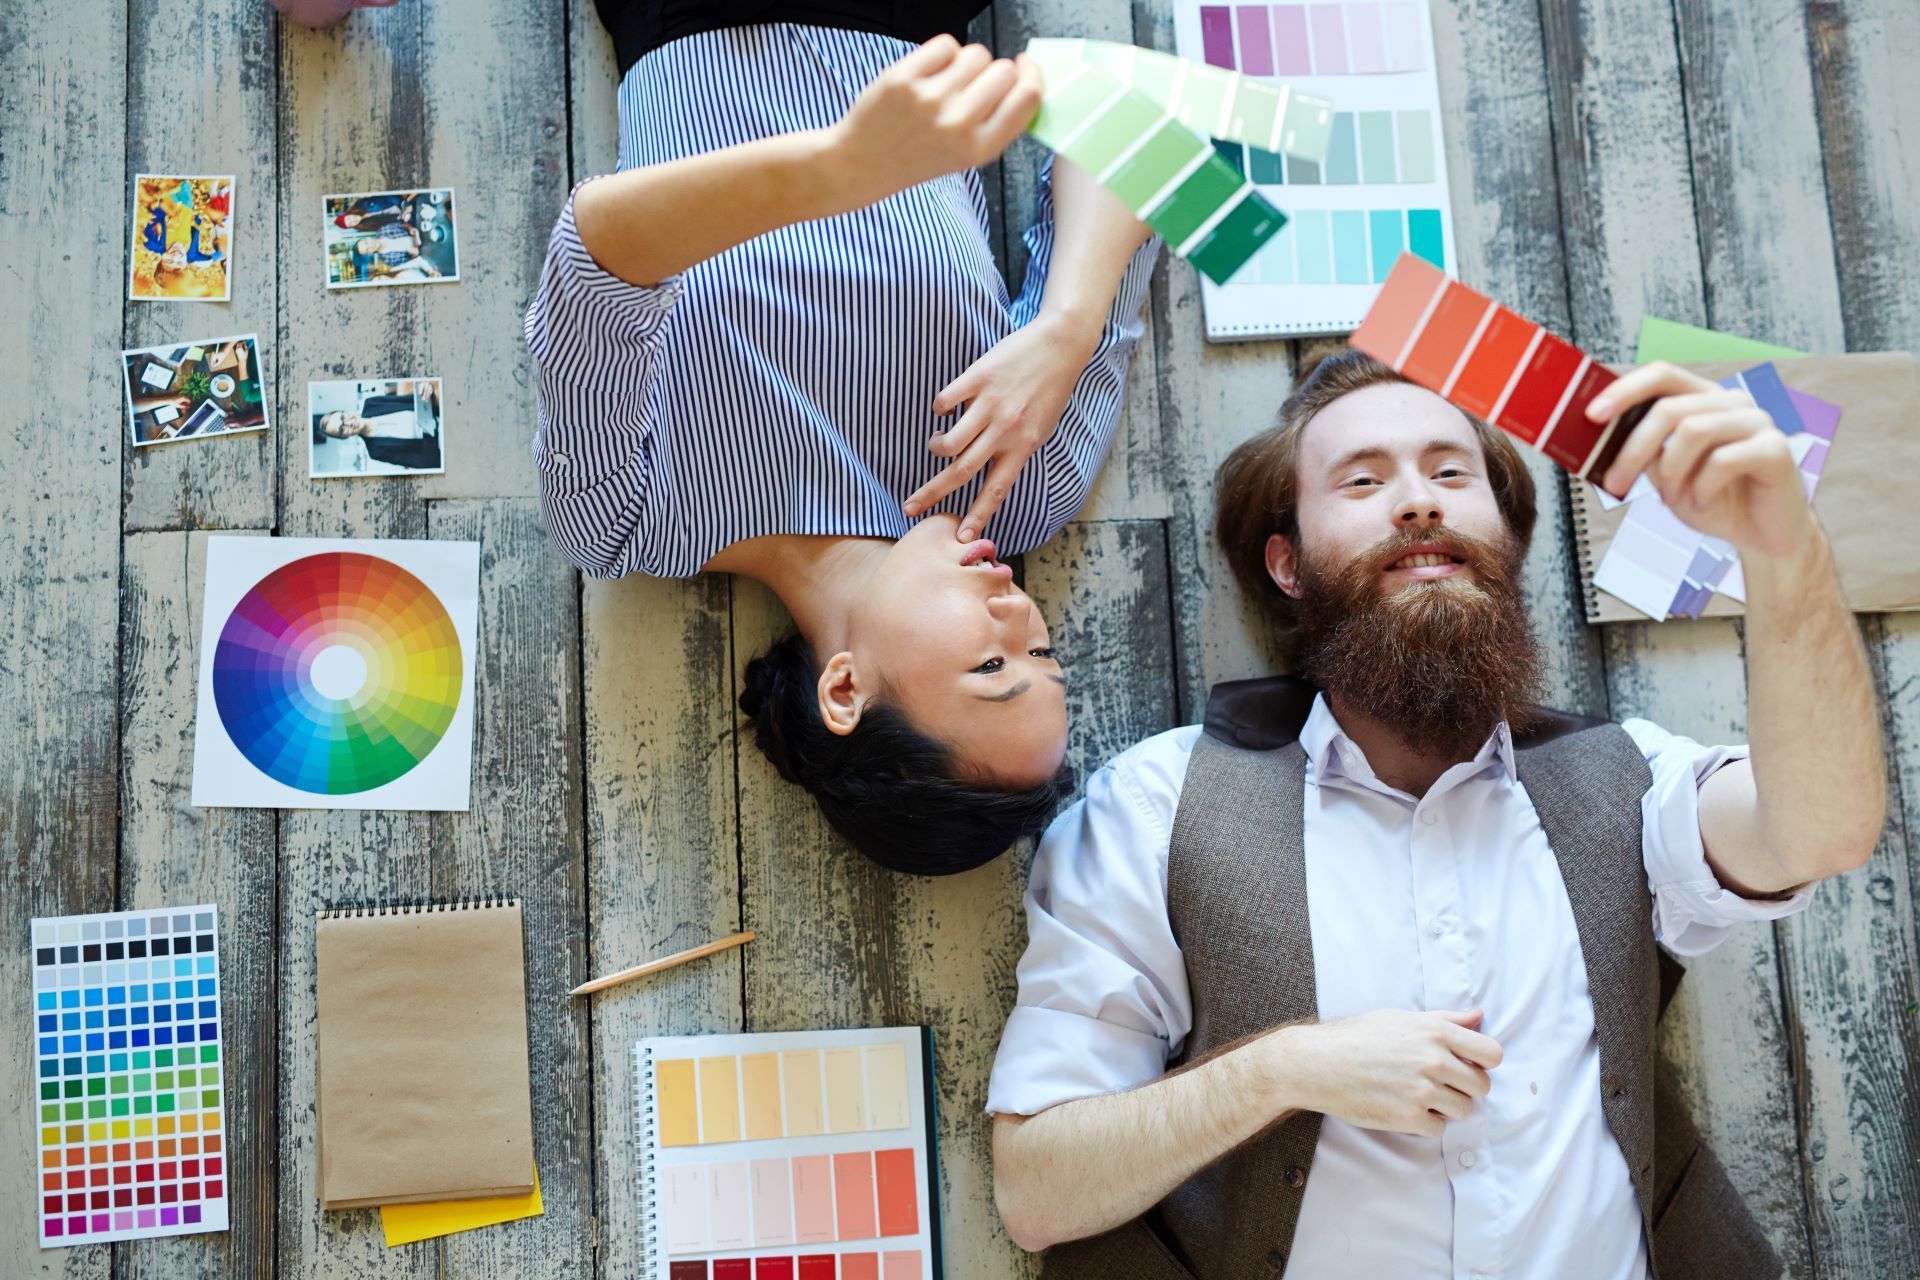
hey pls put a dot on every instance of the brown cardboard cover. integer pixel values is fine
(422, 1034)
(1863, 501)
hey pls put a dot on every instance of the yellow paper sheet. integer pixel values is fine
(406, 1223)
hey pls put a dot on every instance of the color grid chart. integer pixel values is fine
(800, 1155)
(1381, 189)
(127, 1060)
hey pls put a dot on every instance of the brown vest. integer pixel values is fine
(1242, 924)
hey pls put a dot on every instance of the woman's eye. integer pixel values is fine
(990, 666)
(1041, 653)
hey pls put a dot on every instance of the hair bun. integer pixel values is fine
(754, 695)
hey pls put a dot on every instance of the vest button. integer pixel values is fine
(1295, 1178)
(1276, 1261)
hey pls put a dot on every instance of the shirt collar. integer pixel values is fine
(1333, 754)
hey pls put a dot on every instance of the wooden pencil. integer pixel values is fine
(665, 962)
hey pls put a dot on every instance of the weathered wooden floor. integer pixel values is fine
(1748, 164)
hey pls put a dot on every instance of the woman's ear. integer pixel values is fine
(841, 700)
(1282, 565)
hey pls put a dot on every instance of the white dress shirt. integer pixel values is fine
(1450, 901)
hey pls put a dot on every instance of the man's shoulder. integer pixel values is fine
(1161, 758)
(1141, 783)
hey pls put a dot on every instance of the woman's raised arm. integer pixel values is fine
(939, 109)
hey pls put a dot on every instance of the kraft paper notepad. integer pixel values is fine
(802, 1154)
(422, 1031)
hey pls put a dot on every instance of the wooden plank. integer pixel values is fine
(173, 854)
(1768, 271)
(1758, 179)
(525, 837)
(845, 943)
(1499, 144)
(353, 118)
(1626, 200)
(496, 131)
(201, 100)
(1628, 208)
(63, 246)
(1102, 587)
(1854, 965)
(1210, 396)
(377, 103)
(663, 856)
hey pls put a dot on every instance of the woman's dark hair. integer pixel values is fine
(897, 795)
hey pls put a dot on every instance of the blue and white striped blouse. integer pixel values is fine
(785, 386)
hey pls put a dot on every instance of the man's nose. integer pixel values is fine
(1418, 508)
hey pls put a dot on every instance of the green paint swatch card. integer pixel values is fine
(1129, 118)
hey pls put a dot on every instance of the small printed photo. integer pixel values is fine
(376, 427)
(182, 239)
(190, 390)
(390, 237)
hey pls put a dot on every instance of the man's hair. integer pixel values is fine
(1258, 484)
(897, 795)
(320, 435)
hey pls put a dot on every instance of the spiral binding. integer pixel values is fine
(645, 1132)
(1583, 544)
(406, 907)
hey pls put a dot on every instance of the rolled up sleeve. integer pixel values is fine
(1692, 910)
(597, 343)
(1103, 999)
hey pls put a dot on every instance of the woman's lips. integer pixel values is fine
(978, 549)
(979, 554)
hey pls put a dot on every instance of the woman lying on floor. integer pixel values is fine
(775, 343)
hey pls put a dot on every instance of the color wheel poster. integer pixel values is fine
(336, 674)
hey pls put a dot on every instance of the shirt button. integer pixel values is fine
(1466, 1159)
(559, 459)
(1437, 928)
(1429, 817)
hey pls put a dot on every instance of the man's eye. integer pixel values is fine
(1042, 653)
(990, 666)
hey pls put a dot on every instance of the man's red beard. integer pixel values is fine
(1439, 661)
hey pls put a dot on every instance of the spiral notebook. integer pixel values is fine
(788, 1155)
(421, 1025)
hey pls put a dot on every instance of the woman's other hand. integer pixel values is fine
(940, 109)
(1014, 394)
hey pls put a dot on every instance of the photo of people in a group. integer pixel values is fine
(182, 238)
(388, 427)
(390, 237)
(191, 390)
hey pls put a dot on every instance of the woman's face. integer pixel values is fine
(964, 654)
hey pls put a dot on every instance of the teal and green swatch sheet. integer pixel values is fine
(1135, 120)
(127, 1064)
